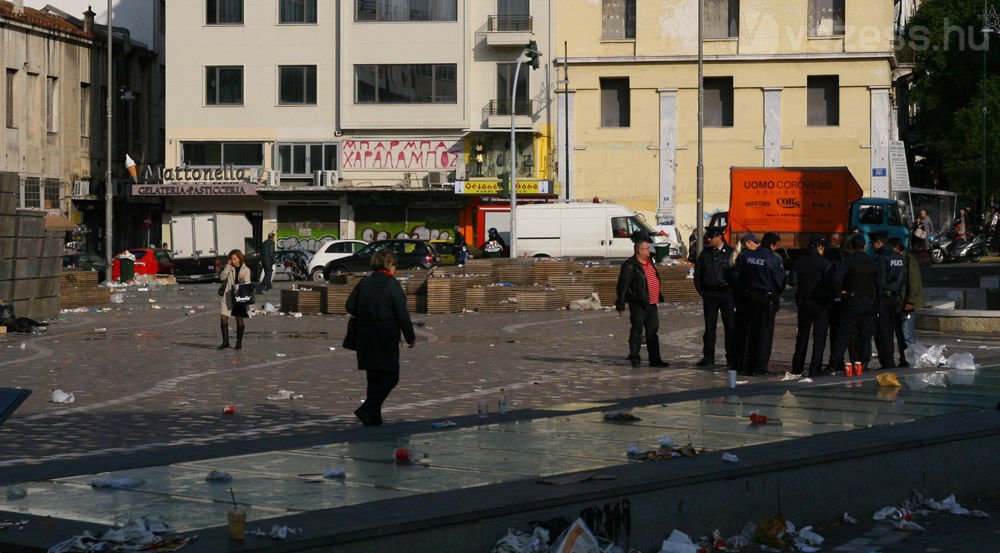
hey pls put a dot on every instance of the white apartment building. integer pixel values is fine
(387, 118)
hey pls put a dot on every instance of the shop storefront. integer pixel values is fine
(488, 203)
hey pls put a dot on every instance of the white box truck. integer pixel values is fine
(200, 243)
(579, 230)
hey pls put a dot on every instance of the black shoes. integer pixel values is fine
(365, 418)
(705, 363)
(660, 363)
(635, 364)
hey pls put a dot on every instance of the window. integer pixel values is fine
(217, 154)
(9, 98)
(224, 12)
(870, 214)
(615, 102)
(826, 17)
(51, 200)
(823, 101)
(297, 11)
(31, 193)
(721, 18)
(619, 19)
(513, 15)
(297, 84)
(505, 79)
(304, 159)
(406, 10)
(51, 103)
(718, 101)
(406, 84)
(84, 109)
(343, 247)
(224, 85)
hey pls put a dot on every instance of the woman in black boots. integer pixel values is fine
(235, 272)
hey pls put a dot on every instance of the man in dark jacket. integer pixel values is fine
(811, 278)
(379, 305)
(711, 279)
(856, 285)
(639, 288)
(911, 298)
(889, 324)
(267, 260)
(759, 277)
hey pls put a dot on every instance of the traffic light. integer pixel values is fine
(533, 54)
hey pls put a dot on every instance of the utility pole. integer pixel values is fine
(699, 228)
(532, 53)
(991, 23)
(109, 186)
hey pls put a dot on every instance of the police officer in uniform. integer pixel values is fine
(711, 279)
(811, 278)
(856, 283)
(892, 270)
(759, 277)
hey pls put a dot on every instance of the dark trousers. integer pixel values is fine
(889, 326)
(757, 334)
(852, 342)
(268, 271)
(645, 319)
(814, 319)
(856, 318)
(380, 383)
(716, 302)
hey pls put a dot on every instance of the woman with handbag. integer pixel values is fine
(378, 305)
(234, 301)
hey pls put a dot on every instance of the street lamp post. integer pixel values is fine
(991, 24)
(532, 52)
(108, 187)
(699, 229)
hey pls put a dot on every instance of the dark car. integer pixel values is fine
(86, 262)
(410, 255)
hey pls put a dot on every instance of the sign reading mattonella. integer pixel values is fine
(416, 155)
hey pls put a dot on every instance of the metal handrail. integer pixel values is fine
(502, 107)
(509, 23)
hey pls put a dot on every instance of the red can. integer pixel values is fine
(848, 369)
(857, 368)
(229, 410)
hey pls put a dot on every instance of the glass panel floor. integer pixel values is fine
(279, 483)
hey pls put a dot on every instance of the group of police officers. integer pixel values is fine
(842, 292)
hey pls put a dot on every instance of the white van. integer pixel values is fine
(578, 230)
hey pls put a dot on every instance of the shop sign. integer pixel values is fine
(198, 181)
(493, 188)
(403, 155)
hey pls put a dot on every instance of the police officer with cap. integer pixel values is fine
(892, 270)
(813, 293)
(711, 279)
(856, 284)
(759, 277)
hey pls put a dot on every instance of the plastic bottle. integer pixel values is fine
(502, 404)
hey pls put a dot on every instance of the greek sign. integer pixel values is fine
(426, 155)
(493, 188)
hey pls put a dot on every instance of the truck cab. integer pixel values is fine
(879, 215)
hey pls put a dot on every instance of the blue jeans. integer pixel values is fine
(910, 328)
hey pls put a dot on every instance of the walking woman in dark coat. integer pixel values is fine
(379, 305)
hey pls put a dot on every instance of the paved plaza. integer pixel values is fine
(150, 389)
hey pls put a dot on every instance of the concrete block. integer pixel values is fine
(6, 289)
(53, 247)
(991, 281)
(22, 307)
(28, 248)
(8, 226)
(6, 269)
(45, 308)
(954, 295)
(30, 224)
(48, 287)
(27, 269)
(8, 182)
(8, 203)
(7, 248)
(25, 289)
(50, 267)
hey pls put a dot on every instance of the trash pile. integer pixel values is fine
(923, 357)
(136, 534)
(667, 449)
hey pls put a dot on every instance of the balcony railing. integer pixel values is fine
(502, 107)
(508, 23)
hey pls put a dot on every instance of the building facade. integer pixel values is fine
(381, 119)
(785, 84)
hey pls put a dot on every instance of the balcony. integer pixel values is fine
(508, 30)
(496, 114)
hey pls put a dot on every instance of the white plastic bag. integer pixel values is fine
(961, 362)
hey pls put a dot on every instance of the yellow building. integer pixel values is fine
(804, 83)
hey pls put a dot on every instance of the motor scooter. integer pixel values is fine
(941, 248)
(295, 269)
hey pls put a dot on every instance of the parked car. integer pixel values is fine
(86, 262)
(449, 253)
(329, 251)
(148, 261)
(675, 243)
(300, 257)
(410, 255)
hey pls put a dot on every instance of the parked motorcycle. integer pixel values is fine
(295, 269)
(941, 249)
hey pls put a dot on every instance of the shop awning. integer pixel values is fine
(58, 223)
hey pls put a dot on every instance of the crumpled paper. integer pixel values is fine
(59, 396)
(285, 394)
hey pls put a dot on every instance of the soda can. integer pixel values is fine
(857, 368)
(229, 410)
(848, 369)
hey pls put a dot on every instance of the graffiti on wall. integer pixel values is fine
(308, 243)
(414, 230)
(419, 155)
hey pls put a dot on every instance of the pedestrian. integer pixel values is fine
(813, 292)
(494, 246)
(856, 284)
(235, 273)
(267, 260)
(993, 229)
(747, 243)
(712, 277)
(378, 304)
(919, 233)
(759, 278)
(164, 246)
(461, 251)
(892, 271)
(960, 229)
(912, 297)
(639, 288)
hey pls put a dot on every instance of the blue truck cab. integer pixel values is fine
(879, 215)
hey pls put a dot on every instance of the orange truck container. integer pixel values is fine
(794, 202)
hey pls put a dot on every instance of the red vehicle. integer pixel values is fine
(147, 262)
